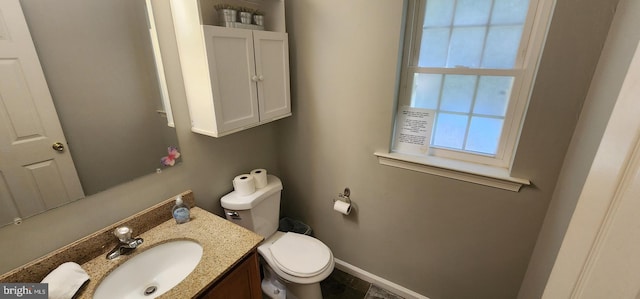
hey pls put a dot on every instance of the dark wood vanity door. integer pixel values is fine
(243, 282)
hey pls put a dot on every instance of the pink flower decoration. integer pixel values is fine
(170, 160)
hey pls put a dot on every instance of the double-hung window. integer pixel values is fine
(472, 62)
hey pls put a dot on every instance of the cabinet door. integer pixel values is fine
(232, 70)
(272, 69)
(243, 282)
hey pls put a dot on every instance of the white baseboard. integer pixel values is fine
(378, 281)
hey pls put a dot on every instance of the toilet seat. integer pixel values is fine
(300, 255)
(269, 260)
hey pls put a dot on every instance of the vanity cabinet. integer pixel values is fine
(242, 282)
(234, 78)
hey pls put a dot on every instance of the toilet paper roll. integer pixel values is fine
(244, 184)
(260, 176)
(342, 207)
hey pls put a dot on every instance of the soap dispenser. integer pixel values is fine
(180, 211)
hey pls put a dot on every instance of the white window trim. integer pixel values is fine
(497, 177)
(488, 171)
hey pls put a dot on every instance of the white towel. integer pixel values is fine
(65, 280)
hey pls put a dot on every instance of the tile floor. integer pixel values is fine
(340, 285)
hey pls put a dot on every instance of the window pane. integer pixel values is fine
(470, 41)
(493, 95)
(434, 47)
(502, 47)
(484, 134)
(450, 130)
(426, 91)
(463, 62)
(509, 12)
(457, 93)
(472, 12)
(466, 47)
(438, 13)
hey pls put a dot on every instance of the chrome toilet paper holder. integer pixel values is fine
(344, 196)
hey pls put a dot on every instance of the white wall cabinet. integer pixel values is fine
(234, 78)
(249, 73)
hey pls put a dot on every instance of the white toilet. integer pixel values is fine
(293, 264)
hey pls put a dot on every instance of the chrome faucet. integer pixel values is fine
(126, 245)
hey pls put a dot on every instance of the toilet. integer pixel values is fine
(293, 264)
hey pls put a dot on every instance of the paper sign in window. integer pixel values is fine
(413, 130)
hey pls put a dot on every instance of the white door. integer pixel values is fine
(272, 69)
(600, 253)
(33, 176)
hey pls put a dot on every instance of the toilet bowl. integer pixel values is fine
(293, 264)
(300, 263)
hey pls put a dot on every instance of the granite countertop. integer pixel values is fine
(224, 245)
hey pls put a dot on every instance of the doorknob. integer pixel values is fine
(58, 146)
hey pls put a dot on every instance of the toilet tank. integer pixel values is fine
(259, 211)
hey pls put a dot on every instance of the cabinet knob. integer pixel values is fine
(254, 78)
(260, 77)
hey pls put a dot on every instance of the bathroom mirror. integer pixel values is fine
(99, 65)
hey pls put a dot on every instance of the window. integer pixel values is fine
(473, 63)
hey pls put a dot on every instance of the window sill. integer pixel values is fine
(464, 171)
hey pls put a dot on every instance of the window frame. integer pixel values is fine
(524, 72)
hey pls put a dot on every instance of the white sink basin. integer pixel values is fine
(152, 272)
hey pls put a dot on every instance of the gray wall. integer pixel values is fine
(621, 43)
(437, 236)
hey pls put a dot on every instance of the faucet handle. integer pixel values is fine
(123, 233)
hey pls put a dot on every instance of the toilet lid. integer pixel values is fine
(300, 255)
